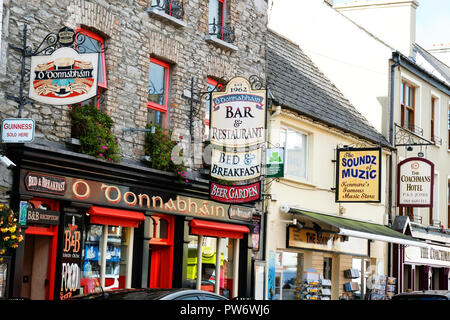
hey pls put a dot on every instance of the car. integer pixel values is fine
(423, 295)
(151, 294)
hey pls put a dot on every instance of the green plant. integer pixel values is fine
(158, 146)
(10, 231)
(93, 128)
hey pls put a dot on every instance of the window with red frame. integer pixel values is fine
(407, 106)
(158, 92)
(94, 43)
(211, 85)
(216, 19)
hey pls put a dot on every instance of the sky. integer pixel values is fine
(432, 22)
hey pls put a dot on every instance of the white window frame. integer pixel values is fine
(293, 177)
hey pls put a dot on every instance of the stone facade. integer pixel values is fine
(132, 36)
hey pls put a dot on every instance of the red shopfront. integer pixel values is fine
(118, 236)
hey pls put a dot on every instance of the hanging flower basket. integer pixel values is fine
(10, 231)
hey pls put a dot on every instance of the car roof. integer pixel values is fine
(426, 292)
(143, 294)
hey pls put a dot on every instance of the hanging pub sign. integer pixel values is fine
(71, 258)
(275, 163)
(238, 115)
(415, 180)
(65, 77)
(234, 194)
(235, 166)
(358, 175)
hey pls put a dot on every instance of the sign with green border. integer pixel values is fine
(275, 163)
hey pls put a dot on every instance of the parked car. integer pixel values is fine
(151, 294)
(423, 295)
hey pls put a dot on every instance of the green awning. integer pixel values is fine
(360, 229)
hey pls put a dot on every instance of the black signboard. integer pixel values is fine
(71, 260)
(40, 216)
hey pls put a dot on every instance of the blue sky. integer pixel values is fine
(432, 22)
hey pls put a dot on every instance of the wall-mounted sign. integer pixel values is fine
(39, 216)
(45, 183)
(275, 163)
(130, 198)
(235, 166)
(17, 130)
(235, 194)
(65, 77)
(415, 180)
(358, 175)
(238, 115)
(241, 213)
(71, 254)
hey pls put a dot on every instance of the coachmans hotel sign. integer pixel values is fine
(415, 183)
(358, 175)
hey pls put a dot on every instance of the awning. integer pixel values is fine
(217, 229)
(361, 229)
(115, 217)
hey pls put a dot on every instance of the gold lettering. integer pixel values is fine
(144, 196)
(181, 202)
(125, 198)
(77, 194)
(108, 193)
(190, 206)
(170, 205)
(160, 201)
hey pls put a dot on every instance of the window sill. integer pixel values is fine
(217, 42)
(299, 181)
(160, 14)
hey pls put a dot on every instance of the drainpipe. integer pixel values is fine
(391, 140)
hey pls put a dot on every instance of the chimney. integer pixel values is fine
(442, 52)
(393, 22)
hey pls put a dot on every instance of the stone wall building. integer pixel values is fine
(176, 37)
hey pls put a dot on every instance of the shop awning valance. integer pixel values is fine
(217, 229)
(115, 217)
(360, 229)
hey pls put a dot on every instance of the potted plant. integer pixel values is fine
(94, 130)
(158, 146)
(10, 231)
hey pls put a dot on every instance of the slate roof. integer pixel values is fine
(440, 67)
(296, 83)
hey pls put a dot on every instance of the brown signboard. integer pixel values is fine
(39, 216)
(130, 198)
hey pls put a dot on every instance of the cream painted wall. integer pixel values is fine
(357, 63)
(439, 155)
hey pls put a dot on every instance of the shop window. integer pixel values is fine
(115, 253)
(407, 97)
(208, 267)
(296, 150)
(158, 92)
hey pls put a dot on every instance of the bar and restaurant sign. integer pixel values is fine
(415, 181)
(133, 198)
(358, 175)
(237, 135)
(238, 115)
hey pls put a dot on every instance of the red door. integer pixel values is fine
(161, 251)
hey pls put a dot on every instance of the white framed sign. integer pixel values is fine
(235, 166)
(18, 130)
(415, 179)
(238, 115)
(65, 77)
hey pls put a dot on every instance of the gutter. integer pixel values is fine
(391, 141)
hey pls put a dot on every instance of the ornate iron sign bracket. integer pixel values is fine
(406, 138)
(65, 37)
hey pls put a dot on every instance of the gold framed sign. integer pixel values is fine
(358, 175)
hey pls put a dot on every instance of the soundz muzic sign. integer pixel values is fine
(65, 77)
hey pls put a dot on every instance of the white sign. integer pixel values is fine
(235, 166)
(65, 77)
(431, 255)
(18, 130)
(415, 183)
(238, 115)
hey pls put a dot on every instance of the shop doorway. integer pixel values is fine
(161, 251)
(38, 282)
